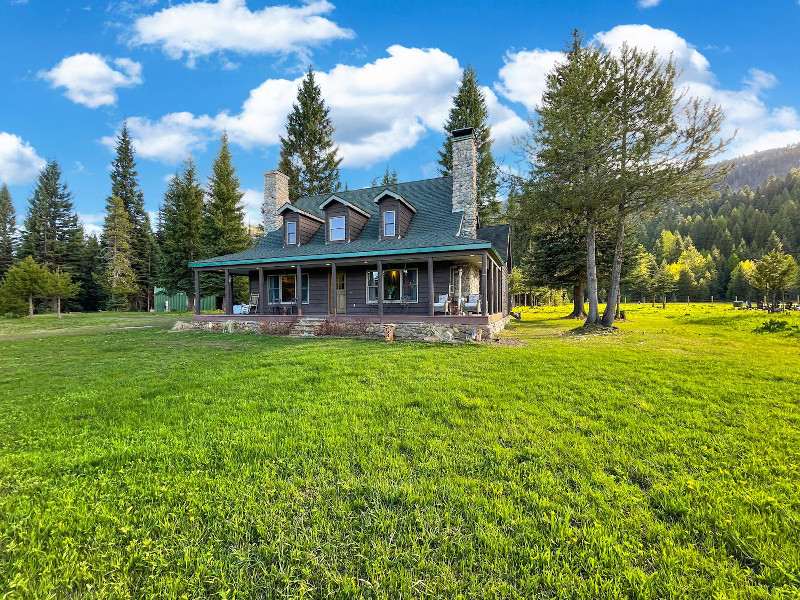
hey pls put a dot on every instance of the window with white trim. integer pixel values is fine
(399, 285)
(336, 229)
(389, 227)
(281, 289)
(291, 233)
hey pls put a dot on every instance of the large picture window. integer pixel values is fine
(389, 223)
(281, 289)
(291, 233)
(399, 285)
(336, 225)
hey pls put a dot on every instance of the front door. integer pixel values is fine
(341, 294)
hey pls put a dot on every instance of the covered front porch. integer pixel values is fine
(449, 287)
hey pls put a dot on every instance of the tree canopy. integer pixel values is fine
(309, 156)
(469, 110)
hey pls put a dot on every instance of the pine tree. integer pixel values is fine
(223, 230)
(182, 215)
(308, 155)
(662, 146)
(27, 280)
(568, 146)
(125, 186)
(61, 287)
(387, 179)
(118, 277)
(8, 230)
(90, 297)
(469, 110)
(52, 235)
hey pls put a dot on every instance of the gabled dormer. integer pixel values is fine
(394, 215)
(298, 226)
(343, 220)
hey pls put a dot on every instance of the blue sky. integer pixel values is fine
(183, 72)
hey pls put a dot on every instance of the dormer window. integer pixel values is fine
(389, 227)
(291, 233)
(336, 232)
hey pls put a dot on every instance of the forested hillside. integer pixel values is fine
(709, 248)
(753, 170)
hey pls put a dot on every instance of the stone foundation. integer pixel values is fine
(308, 327)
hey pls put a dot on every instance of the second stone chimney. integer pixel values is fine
(465, 186)
(276, 194)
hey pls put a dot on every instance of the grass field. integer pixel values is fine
(659, 462)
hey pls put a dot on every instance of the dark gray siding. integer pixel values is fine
(355, 222)
(402, 215)
(336, 209)
(356, 287)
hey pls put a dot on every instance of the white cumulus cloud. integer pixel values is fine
(648, 3)
(197, 29)
(523, 76)
(89, 79)
(379, 109)
(757, 125)
(19, 162)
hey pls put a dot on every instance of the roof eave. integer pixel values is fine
(482, 245)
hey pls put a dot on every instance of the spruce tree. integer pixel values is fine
(118, 277)
(389, 178)
(568, 146)
(308, 155)
(90, 297)
(223, 230)
(52, 235)
(125, 186)
(469, 110)
(182, 222)
(27, 280)
(61, 287)
(8, 230)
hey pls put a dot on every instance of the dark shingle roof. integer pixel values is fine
(435, 226)
(497, 235)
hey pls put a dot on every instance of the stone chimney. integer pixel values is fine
(276, 194)
(465, 187)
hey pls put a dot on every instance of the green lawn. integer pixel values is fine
(659, 462)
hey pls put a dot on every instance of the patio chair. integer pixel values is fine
(472, 304)
(443, 305)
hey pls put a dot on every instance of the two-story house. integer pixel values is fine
(409, 253)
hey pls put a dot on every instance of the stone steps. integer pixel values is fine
(306, 327)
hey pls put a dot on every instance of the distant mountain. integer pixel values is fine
(752, 170)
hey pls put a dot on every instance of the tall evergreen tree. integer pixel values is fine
(661, 148)
(90, 297)
(567, 147)
(8, 230)
(118, 277)
(308, 155)
(53, 237)
(469, 110)
(125, 186)
(223, 230)
(182, 214)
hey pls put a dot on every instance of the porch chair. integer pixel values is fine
(473, 303)
(442, 305)
(251, 306)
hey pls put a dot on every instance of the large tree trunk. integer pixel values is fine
(30, 306)
(591, 276)
(616, 274)
(58, 304)
(578, 306)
